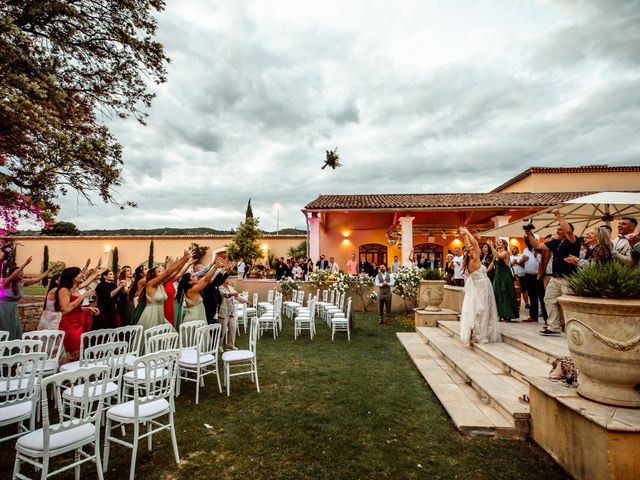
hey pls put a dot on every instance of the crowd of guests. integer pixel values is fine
(540, 271)
(83, 299)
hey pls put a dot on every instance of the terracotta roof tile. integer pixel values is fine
(583, 169)
(439, 200)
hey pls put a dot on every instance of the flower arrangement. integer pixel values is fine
(340, 284)
(319, 276)
(287, 285)
(407, 285)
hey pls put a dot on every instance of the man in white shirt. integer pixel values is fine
(241, 268)
(623, 244)
(517, 267)
(333, 266)
(531, 261)
(384, 281)
(458, 258)
(395, 265)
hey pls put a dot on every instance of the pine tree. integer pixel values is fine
(245, 243)
(150, 262)
(45, 264)
(114, 262)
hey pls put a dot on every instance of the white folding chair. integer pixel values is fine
(155, 373)
(4, 335)
(305, 321)
(332, 310)
(52, 345)
(242, 316)
(14, 347)
(78, 424)
(162, 343)
(340, 322)
(132, 334)
(157, 330)
(244, 362)
(20, 377)
(262, 306)
(201, 361)
(87, 340)
(111, 355)
(155, 344)
(271, 318)
(188, 335)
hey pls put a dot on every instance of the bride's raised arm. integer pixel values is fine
(470, 240)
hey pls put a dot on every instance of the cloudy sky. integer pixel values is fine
(419, 96)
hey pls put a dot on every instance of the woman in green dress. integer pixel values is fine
(503, 288)
(10, 294)
(189, 289)
(154, 295)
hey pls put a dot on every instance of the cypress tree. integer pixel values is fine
(249, 213)
(114, 262)
(150, 262)
(45, 264)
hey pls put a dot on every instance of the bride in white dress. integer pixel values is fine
(479, 315)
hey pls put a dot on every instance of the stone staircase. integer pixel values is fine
(479, 386)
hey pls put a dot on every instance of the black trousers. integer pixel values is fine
(384, 303)
(535, 290)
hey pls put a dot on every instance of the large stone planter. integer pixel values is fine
(431, 295)
(604, 341)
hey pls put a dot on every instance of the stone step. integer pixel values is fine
(492, 383)
(512, 360)
(469, 412)
(526, 337)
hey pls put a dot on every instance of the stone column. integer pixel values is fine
(313, 223)
(406, 224)
(499, 221)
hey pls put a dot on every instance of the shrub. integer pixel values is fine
(407, 285)
(431, 274)
(606, 280)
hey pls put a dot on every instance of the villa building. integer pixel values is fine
(381, 226)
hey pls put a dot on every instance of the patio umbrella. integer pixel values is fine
(583, 212)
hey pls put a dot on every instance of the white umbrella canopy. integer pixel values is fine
(583, 212)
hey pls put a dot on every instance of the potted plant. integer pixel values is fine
(431, 289)
(602, 321)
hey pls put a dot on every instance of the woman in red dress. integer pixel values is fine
(170, 289)
(76, 319)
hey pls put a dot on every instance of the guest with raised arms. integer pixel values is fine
(10, 294)
(76, 318)
(189, 289)
(155, 295)
(479, 314)
(503, 289)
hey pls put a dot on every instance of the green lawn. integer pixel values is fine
(36, 289)
(326, 410)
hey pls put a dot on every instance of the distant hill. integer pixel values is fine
(165, 231)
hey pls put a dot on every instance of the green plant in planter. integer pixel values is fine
(432, 274)
(606, 280)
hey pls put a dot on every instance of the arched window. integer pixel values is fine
(424, 249)
(374, 253)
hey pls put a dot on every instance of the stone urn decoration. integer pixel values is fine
(604, 340)
(431, 295)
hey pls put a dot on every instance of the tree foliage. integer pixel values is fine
(245, 243)
(298, 251)
(150, 258)
(64, 67)
(60, 229)
(114, 262)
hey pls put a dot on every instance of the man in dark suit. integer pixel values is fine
(432, 262)
(281, 268)
(365, 267)
(211, 298)
(322, 264)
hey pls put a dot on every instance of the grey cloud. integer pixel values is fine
(250, 109)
